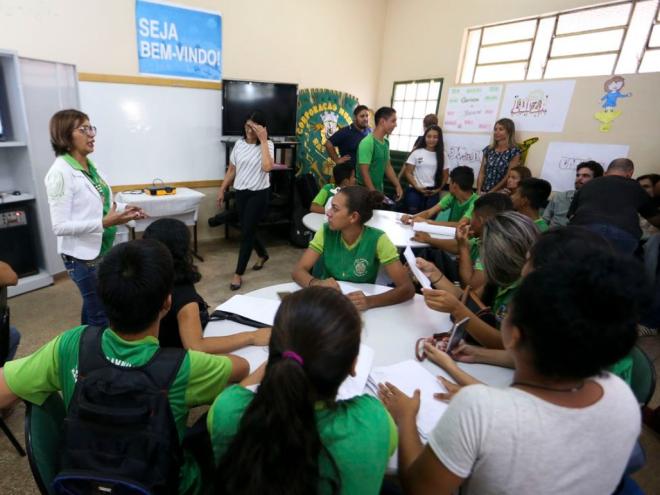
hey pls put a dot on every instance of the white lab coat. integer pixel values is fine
(76, 211)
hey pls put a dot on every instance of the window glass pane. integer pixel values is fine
(405, 126)
(417, 127)
(408, 109)
(500, 72)
(422, 91)
(509, 32)
(594, 65)
(470, 59)
(431, 107)
(420, 109)
(655, 36)
(399, 91)
(411, 89)
(398, 106)
(505, 53)
(434, 90)
(603, 41)
(541, 47)
(635, 42)
(394, 141)
(651, 61)
(597, 18)
(411, 142)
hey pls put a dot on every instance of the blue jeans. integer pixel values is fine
(83, 275)
(621, 240)
(415, 202)
(14, 340)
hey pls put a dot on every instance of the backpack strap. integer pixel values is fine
(90, 353)
(164, 366)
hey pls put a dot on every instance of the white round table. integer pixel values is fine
(387, 221)
(391, 331)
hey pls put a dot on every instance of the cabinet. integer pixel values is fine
(30, 92)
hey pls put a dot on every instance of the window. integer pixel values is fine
(413, 100)
(615, 38)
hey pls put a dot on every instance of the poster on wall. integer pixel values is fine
(538, 106)
(562, 159)
(472, 108)
(320, 113)
(175, 41)
(465, 149)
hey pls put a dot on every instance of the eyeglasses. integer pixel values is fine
(90, 130)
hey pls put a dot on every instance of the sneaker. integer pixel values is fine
(644, 331)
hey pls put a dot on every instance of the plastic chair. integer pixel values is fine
(43, 432)
(4, 350)
(643, 376)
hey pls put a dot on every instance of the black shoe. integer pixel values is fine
(218, 219)
(260, 264)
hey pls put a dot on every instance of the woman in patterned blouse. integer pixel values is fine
(499, 158)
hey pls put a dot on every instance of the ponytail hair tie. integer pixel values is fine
(294, 356)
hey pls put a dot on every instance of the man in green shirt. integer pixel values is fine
(135, 282)
(532, 195)
(374, 154)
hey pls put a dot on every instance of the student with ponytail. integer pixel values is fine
(351, 251)
(292, 436)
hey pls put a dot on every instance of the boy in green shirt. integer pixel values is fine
(135, 282)
(374, 155)
(343, 175)
(532, 195)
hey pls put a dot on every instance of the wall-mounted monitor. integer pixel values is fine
(276, 100)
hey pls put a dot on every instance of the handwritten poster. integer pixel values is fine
(538, 106)
(472, 108)
(465, 149)
(562, 159)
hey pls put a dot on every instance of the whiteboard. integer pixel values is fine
(147, 132)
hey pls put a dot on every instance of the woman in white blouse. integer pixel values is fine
(250, 162)
(83, 216)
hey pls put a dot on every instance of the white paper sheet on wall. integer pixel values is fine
(472, 108)
(538, 106)
(562, 158)
(465, 150)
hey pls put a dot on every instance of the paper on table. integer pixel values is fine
(354, 385)
(409, 376)
(368, 289)
(412, 264)
(434, 229)
(254, 308)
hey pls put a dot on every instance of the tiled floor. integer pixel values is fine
(43, 314)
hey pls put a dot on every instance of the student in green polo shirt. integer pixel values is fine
(506, 239)
(351, 251)
(530, 196)
(373, 156)
(293, 435)
(343, 175)
(135, 281)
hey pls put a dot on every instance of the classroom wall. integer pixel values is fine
(423, 39)
(316, 44)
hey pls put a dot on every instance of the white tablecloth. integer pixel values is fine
(183, 205)
(387, 221)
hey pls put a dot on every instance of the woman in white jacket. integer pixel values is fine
(83, 215)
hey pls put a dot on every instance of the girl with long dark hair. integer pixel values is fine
(184, 324)
(425, 172)
(292, 436)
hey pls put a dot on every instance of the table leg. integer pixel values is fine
(195, 254)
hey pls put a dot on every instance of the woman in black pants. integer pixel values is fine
(250, 162)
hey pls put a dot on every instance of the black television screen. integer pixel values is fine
(276, 100)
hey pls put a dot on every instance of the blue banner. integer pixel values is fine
(179, 42)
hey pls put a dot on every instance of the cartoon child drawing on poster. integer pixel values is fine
(612, 88)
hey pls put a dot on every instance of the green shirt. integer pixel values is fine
(102, 187)
(54, 367)
(457, 210)
(359, 434)
(503, 299)
(376, 154)
(475, 253)
(324, 194)
(541, 224)
(623, 369)
(357, 263)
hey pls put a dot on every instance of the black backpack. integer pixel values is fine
(120, 437)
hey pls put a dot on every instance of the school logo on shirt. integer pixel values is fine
(360, 266)
(321, 112)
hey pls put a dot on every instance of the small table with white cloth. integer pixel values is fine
(388, 221)
(184, 206)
